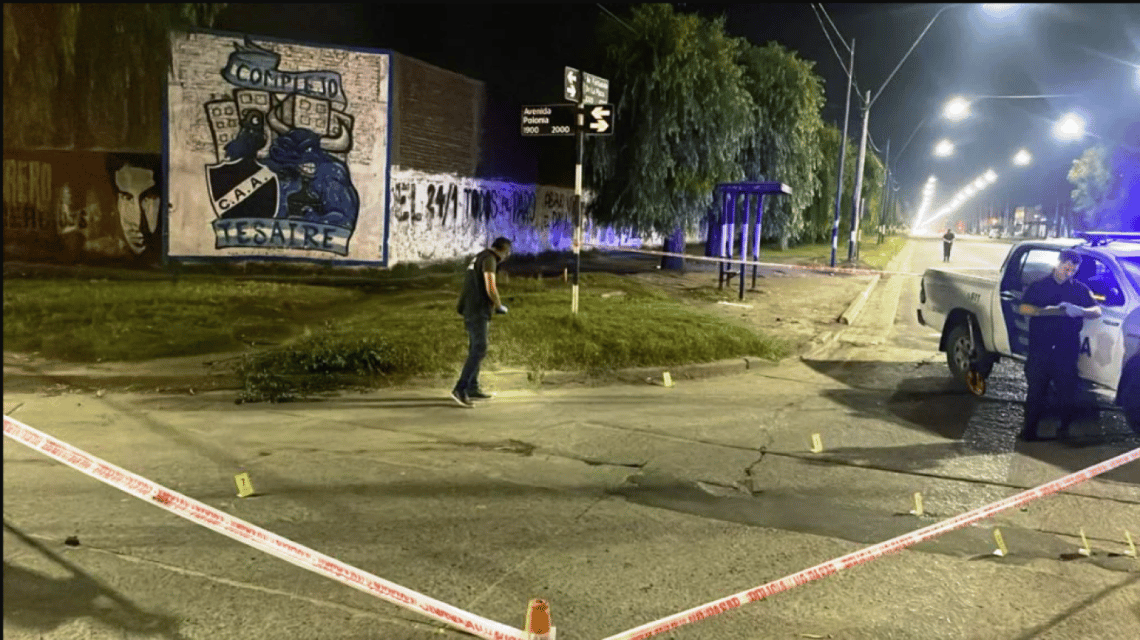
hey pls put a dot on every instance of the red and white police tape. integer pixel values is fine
(255, 536)
(735, 262)
(870, 553)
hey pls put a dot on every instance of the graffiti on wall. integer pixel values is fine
(85, 207)
(285, 150)
(442, 217)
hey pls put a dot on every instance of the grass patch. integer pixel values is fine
(91, 321)
(383, 342)
(871, 254)
(336, 337)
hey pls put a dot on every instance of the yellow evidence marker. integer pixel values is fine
(1131, 545)
(668, 379)
(917, 504)
(816, 443)
(244, 484)
(1002, 550)
(1086, 550)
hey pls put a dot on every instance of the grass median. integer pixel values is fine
(305, 339)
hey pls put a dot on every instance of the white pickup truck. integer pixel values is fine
(979, 322)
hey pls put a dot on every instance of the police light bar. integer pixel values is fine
(1101, 237)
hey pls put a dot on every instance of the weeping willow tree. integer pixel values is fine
(90, 76)
(784, 144)
(682, 118)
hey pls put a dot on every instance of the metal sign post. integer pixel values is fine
(589, 94)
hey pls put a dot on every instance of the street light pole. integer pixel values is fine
(842, 155)
(883, 200)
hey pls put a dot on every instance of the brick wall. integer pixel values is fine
(438, 118)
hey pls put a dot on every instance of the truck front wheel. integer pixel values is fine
(960, 357)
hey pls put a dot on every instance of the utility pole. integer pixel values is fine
(842, 154)
(855, 197)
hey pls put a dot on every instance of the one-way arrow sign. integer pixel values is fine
(603, 123)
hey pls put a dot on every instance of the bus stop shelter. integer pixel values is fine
(738, 201)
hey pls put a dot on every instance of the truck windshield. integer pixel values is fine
(1132, 270)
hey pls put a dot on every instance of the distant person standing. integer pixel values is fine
(478, 301)
(1057, 307)
(947, 244)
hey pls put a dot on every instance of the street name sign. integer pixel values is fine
(601, 119)
(549, 120)
(595, 90)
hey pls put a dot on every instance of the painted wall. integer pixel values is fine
(441, 217)
(83, 207)
(277, 150)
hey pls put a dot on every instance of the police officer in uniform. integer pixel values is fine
(478, 301)
(1057, 307)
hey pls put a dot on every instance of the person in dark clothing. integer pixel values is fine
(947, 244)
(478, 301)
(1057, 307)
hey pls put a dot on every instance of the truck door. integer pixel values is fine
(1102, 339)
(1023, 269)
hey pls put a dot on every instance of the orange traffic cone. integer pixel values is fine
(538, 621)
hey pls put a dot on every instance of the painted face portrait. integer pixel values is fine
(68, 217)
(136, 204)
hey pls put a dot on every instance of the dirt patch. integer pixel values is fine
(793, 305)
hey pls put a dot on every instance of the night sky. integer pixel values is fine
(1091, 50)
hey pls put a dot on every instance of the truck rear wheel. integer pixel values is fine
(961, 359)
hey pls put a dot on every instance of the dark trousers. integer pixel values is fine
(1040, 369)
(946, 251)
(476, 350)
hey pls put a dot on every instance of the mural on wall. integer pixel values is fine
(288, 162)
(83, 207)
(442, 217)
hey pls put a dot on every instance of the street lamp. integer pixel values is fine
(1022, 158)
(957, 109)
(1000, 9)
(1070, 127)
(944, 148)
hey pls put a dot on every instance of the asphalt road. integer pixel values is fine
(617, 504)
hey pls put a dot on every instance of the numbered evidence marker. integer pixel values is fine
(244, 484)
(1085, 550)
(917, 511)
(816, 443)
(1131, 545)
(667, 379)
(1001, 551)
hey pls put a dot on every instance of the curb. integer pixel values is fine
(853, 309)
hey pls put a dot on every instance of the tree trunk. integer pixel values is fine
(674, 244)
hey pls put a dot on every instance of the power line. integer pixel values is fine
(634, 31)
(827, 35)
(829, 21)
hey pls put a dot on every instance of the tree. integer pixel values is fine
(785, 144)
(682, 118)
(874, 174)
(1107, 186)
(1092, 179)
(820, 213)
(90, 75)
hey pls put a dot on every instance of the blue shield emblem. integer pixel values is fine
(242, 188)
